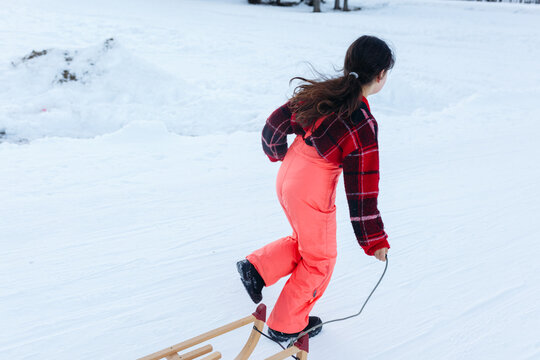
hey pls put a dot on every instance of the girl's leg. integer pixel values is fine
(308, 194)
(279, 258)
(276, 260)
(311, 276)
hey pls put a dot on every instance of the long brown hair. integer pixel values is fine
(367, 56)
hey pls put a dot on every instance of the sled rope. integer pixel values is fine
(348, 317)
(277, 342)
(292, 341)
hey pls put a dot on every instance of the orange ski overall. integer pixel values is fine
(306, 188)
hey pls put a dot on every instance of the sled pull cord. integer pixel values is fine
(348, 317)
(277, 342)
(294, 340)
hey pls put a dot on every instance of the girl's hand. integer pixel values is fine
(381, 254)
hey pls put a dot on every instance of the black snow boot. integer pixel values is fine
(252, 280)
(313, 321)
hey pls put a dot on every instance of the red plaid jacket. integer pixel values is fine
(350, 142)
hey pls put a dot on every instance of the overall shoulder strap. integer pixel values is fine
(314, 126)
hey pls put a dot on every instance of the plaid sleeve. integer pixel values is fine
(361, 178)
(275, 131)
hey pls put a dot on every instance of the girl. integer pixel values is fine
(335, 133)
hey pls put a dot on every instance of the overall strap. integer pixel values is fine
(313, 127)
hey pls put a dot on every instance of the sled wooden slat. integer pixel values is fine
(300, 349)
(285, 353)
(258, 317)
(199, 339)
(196, 353)
(252, 341)
(213, 356)
(302, 355)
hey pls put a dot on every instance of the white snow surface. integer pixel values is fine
(127, 197)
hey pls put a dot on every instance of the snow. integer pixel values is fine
(128, 197)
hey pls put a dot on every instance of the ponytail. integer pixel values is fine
(365, 59)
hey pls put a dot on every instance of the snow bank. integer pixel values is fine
(84, 92)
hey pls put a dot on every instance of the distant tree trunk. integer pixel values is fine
(346, 5)
(336, 5)
(316, 5)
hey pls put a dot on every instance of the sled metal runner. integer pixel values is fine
(258, 318)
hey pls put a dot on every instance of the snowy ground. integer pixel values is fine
(127, 200)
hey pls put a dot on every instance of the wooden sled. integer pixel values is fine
(299, 349)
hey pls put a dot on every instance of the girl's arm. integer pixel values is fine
(361, 178)
(274, 134)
